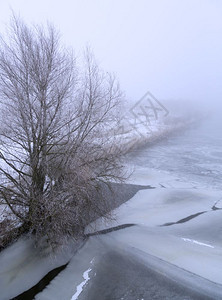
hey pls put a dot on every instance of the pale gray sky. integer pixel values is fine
(172, 48)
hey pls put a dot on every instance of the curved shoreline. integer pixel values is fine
(122, 192)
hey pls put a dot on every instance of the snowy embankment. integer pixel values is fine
(136, 133)
(22, 266)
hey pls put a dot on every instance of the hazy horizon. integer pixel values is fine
(171, 48)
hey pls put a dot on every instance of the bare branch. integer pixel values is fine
(56, 153)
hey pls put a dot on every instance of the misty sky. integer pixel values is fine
(172, 48)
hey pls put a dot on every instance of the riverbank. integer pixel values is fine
(22, 266)
(136, 137)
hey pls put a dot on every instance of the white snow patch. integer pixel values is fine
(82, 284)
(196, 242)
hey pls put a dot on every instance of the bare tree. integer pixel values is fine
(56, 150)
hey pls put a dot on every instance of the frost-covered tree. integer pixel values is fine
(56, 150)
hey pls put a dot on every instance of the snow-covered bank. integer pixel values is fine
(21, 259)
(134, 133)
(21, 266)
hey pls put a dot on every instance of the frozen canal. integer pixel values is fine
(195, 156)
(180, 221)
(174, 249)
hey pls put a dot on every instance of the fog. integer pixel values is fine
(171, 48)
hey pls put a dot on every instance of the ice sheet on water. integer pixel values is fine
(155, 207)
(193, 257)
(196, 242)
